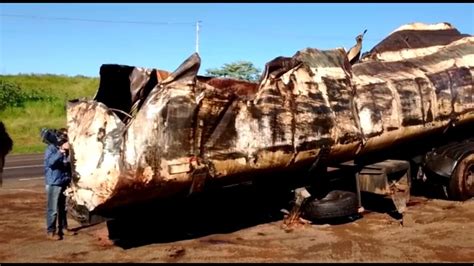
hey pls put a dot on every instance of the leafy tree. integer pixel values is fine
(244, 70)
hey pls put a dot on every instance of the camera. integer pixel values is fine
(53, 136)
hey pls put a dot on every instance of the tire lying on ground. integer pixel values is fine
(335, 204)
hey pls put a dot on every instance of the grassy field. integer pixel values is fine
(31, 102)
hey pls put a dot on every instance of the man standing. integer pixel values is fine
(57, 177)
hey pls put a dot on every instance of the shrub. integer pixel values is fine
(12, 95)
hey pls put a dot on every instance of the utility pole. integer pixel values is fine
(197, 36)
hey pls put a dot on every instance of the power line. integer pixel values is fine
(262, 31)
(272, 32)
(97, 20)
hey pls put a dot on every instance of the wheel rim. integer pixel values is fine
(469, 177)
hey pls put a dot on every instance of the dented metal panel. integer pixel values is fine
(175, 131)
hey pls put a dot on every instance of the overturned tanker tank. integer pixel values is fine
(151, 134)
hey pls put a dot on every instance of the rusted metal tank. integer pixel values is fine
(153, 134)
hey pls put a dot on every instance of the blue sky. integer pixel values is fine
(75, 39)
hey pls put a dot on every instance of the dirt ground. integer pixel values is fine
(432, 230)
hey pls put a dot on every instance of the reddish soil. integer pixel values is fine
(432, 230)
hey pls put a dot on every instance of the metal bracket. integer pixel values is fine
(301, 194)
(388, 178)
(199, 174)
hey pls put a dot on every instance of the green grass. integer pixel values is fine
(24, 121)
(62, 87)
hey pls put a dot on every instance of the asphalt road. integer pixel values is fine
(25, 166)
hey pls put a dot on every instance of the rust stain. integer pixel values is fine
(311, 100)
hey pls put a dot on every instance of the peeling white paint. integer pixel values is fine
(424, 26)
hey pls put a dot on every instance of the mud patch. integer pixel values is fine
(441, 232)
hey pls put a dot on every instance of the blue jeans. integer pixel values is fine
(55, 209)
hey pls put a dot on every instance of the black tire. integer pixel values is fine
(336, 203)
(461, 185)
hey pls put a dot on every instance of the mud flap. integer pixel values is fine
(387, 178)
(400, 193)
